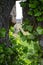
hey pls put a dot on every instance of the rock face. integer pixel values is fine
(13, 14)
(5, 9)
(41, 41)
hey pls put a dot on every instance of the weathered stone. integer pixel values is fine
(41, 41)
(13, 14)
(5, 9)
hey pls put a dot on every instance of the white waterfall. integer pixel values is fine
(19, 15)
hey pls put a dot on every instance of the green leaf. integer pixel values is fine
(9, 51)
(1, 49)
(41, 0)
(38, 13)
(39, 30)
(29, 28)
(27, 61)
(39, 19)
(30, 12)
(22, 4)
(31, 36)
(32, 5)
(2, 32)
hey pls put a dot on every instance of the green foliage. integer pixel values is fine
(35, 12)
(39, 30)
(24, 50)
(35, 8)
(23, 4)
(39, 19)
(2, 32)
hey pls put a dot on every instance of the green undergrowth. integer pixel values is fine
(23, 51)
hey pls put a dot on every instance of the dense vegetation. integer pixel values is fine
(22, 51)
(25, 50)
